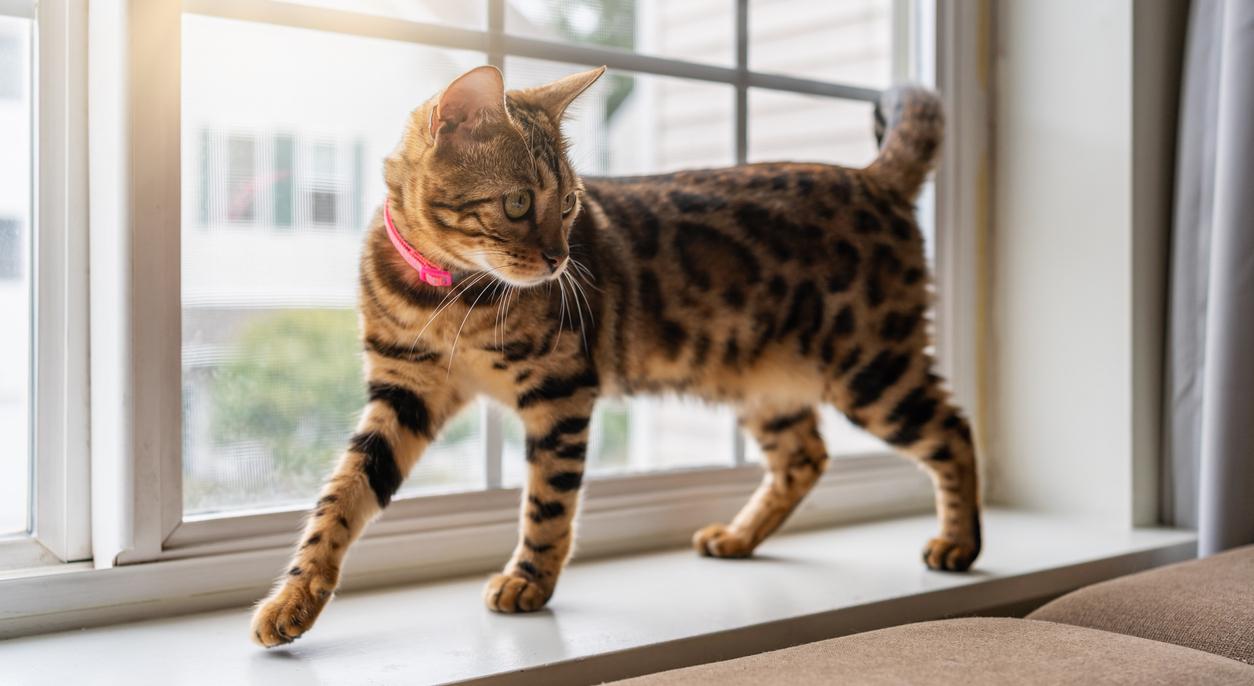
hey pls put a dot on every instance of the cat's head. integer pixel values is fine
(486, 186)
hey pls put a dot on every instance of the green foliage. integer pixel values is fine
(614, 423)
(294, 386)
(615, 27)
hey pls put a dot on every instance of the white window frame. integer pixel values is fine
(59, 500)
(136, 503)
(191, 535)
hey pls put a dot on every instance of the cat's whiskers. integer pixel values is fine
(444, 302)
(496, 291)
(510, 298)
(574, 279)
(583, 331)
(513, 295)
(589, 278)
(561, 313)
(499, 326)
(581, 281)
(448, 301)
(496, 319)
(453, 351)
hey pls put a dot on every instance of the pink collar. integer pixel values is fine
(427, 271)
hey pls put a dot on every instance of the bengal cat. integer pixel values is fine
(772, 287)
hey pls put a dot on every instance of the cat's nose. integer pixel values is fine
(554, 259)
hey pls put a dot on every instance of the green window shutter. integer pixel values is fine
(359, 154)
(284, 180)
(206, 170)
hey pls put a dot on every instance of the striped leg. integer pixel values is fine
(395, 428)
(948, 453)
(795, 458)
(557, 440)
(911, 411)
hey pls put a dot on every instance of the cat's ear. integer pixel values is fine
(555, 97)
(471, 98)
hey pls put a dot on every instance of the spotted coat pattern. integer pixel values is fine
(770, 287)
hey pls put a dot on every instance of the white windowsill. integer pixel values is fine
(616, 617)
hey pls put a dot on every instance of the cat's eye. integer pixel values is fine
(568, 203)
(517, 204)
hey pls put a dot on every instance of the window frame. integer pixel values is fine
(59, 519)
(153, 524)
(134, 511)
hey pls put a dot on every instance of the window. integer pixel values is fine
(851, 41)
(271, 378)
(241, 179)
(16, 173)
(225, 369)
(44, 488)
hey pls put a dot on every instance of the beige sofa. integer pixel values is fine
(1189, 623)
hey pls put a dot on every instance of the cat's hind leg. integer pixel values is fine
(794, 459)
(897, 397)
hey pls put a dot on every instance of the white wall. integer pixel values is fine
(1073, 383)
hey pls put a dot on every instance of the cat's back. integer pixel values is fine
(781, 207)
(722, 266)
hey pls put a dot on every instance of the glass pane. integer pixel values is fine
(282, 162)
(693, 30)
(667, 433)
(805, 128)
(844, 41)
(455, 462)
(640, 435)
(15, 272)
(471, 14)
(639, 124)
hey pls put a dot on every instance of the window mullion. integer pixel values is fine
(902, 22)
(742, 93)
(491, 428)
(742, 153)
(136, 389)
(61, 519)
(343, 22)
(496, 28)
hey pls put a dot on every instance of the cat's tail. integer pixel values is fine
(909, 126)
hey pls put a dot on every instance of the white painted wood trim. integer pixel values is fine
(390, 28)
(135, 212)
(109, 299)
(20, 9)
(62, 517)
(963, 63)
(896, 480)
(25, 552)
(204, 570)
(611, 618)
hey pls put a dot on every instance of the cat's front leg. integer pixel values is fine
(395, 428)
(557, 441)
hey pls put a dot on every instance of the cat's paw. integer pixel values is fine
(947, 555)
(510, 593)
(717, 540)
(291, 609)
